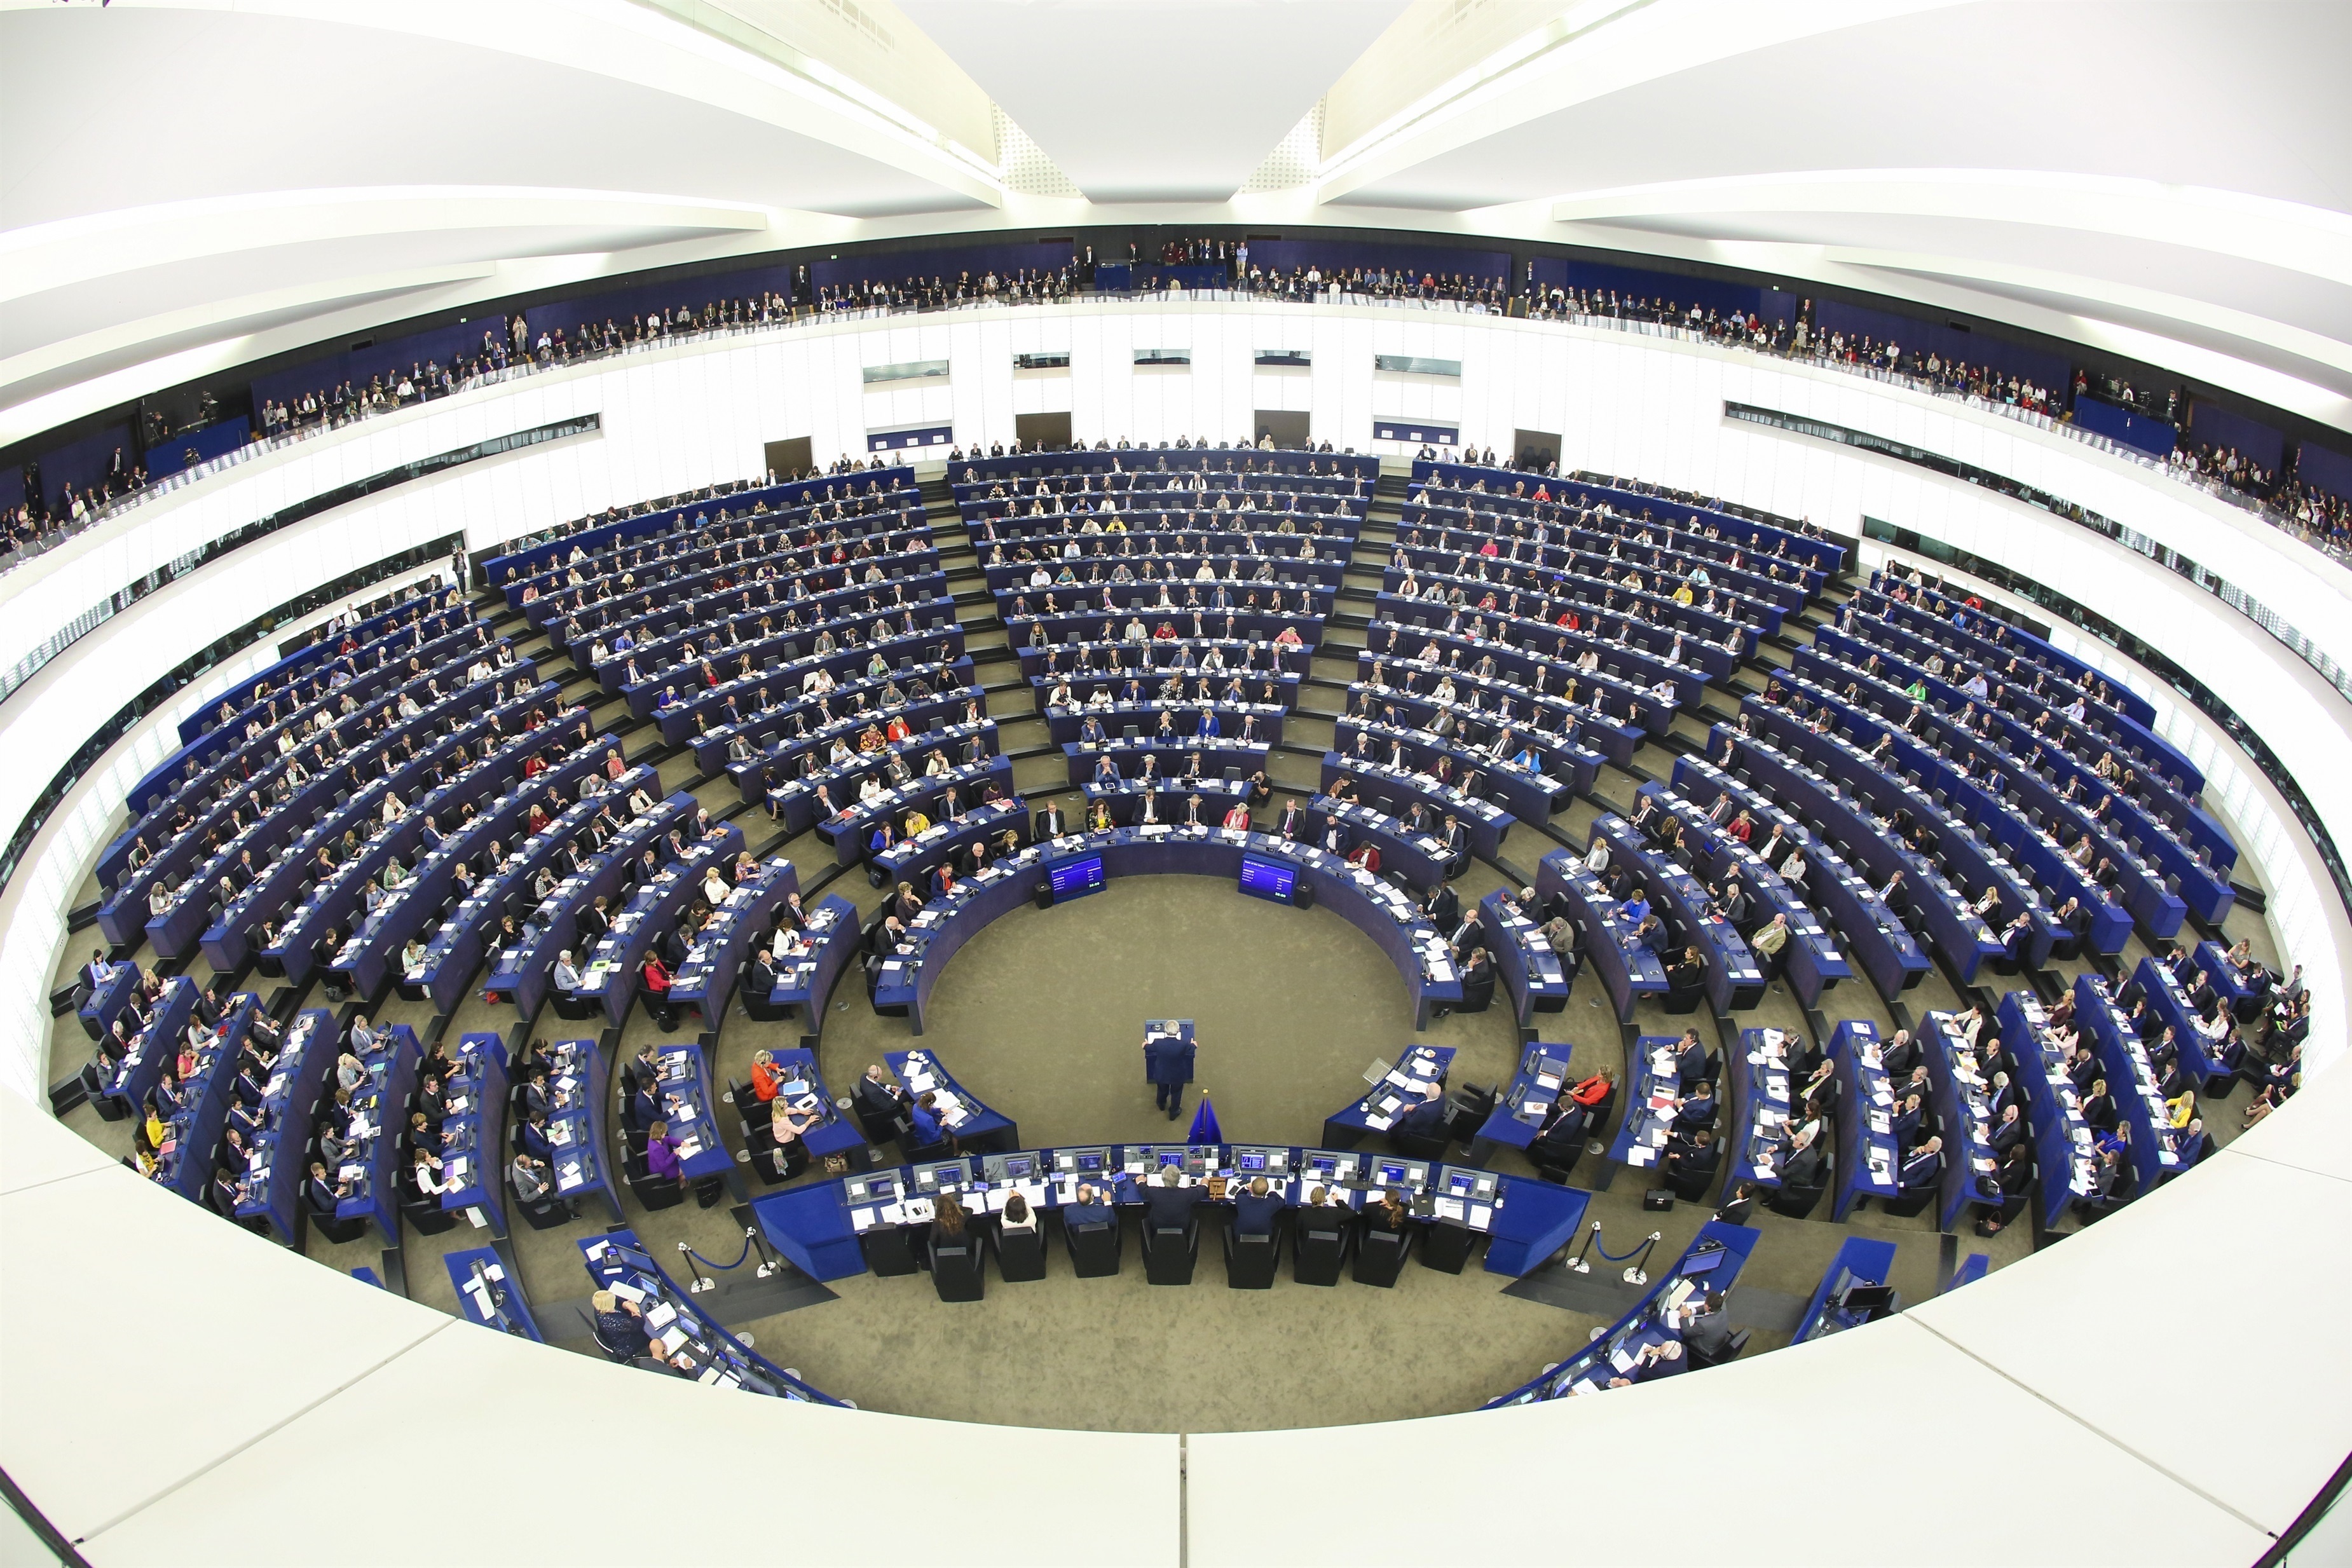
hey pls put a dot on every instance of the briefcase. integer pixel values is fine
(1657, 1200)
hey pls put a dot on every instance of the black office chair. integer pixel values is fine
(1466, 1109)
(1478, 995)
(1798, 1202)
(1421, 1146)
(428, 1219)
(1169, 1252)
(1251, 1261)
(621, 1353)
(1021, 1254)
(1095, 1248)
(653, 1192)
(1689, 1182)
(956, 1271)
(1905, 1203)
(340, 1231)
(1379, 1256)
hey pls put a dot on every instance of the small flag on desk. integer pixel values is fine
(1204, 1125)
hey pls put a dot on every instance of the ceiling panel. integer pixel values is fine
(1155, 100)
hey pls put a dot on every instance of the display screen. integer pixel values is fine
(1392, 1175)
(1075, 878)
(1253, 1162)
(1270, 879)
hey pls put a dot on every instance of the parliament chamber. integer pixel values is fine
(1021, 815)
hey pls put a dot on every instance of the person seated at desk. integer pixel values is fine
(928, 1130)
(1425, 1120)
(2099, 1108)
(534, 1183)
(1687, 973)
(2011, 1131)
(2007, 1185)
(1802, 1165)
(1017, 1216)
(1696, 1109)
(2115, 1184)
(1903, 1126)
(1922, 1167)
(1389, 1214)
(1085, 1207)
(620, 1325)
(1740, 1205)
(766, 1076)
(661, 1155)
(1770, 945)
(427, 1182)
(1237, 817)
(321, 1193)
(1706, 1331)
(1257, 1209)
(1652, 1362)
(1691, 1152)
(1167, 1203)
(1690, 1061)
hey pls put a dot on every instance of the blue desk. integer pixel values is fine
(2066, 1166)
(193, 1143)
(2153, 983)
(1735, 981)
(152, 1047)
(1757, 1090)
(1867, 1159)
(488, 1295)
(1374, 906)
(979, 1130)
(707, 979)
(1589, 1370)
(611, 977)
(1404, 1086)
(689, 1106)
(620, 1263)
(1860, 1260)
(1811, 960)
(1961, 1110)
(1875, 937)
(1627, 972)
(817, 1226)
(1419, 858)
(2243, 996)
(1530, 971)
(836, 1132)
(1652, 1085)
(805, 980)
(474, 1152)
(383, 1104)
(582, 1077)
(2139, 1100)
(1521, 1107)
(98, 1013)
(306, 1063)
(1487, 824)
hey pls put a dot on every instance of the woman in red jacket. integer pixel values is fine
(656, 979)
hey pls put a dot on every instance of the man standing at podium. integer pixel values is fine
(1168, 1066)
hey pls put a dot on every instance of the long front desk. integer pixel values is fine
(908, 974)
(817, 1226)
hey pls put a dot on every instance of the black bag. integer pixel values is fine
(1657, 1200)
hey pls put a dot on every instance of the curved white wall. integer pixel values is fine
(688, 415)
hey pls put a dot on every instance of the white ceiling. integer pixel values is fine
(1155, 100)
(190, 184)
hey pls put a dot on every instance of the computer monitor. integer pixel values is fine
(947, 1173)
(1873, 1299)
(1017, 1166)
(1275, 881)
(1164, 1157)
(1326, 1166)
(1390, 1172)
(1074, 877)
(1250, 1162)
(1092, 1160)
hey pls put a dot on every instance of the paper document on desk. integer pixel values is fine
(662, 1316)
(1449, 1209)
(1621, 1359)
(1379, 1123)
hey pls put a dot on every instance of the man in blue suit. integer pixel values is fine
(1255, 1210)
(1088, 1209)
(1426, 1120)
(1167, 1067)
(1926, 1164)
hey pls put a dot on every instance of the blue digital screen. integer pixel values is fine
(1090, 1162)
(1392, 1174)
(1171, 1157)
(1075, 878)
(1270, 879)
(1253, 1162)
(1017, 1166)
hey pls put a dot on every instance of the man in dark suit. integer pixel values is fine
(1690, 1061)
(2195, 1144)
(1444, 908)
(1292, 821)
(1051, 824)
(1089, 1208)
(1426, 1120)
(1707, 1333)
(2011, 1131)
(1168, 1205)
(880, 1102)
(1923, 1167)
(1257, 1209)
(2117, 1184)
(1167, 1067)
(759, 977)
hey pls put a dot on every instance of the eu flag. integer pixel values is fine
(1204, 1125)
